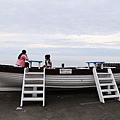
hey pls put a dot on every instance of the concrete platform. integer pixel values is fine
(76, 104)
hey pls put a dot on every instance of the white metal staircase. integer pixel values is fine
(106, 85)
(33, 88)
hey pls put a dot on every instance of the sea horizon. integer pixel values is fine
(69, 61)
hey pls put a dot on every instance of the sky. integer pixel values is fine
(69, 30)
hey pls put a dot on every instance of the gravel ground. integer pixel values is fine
(74, 104)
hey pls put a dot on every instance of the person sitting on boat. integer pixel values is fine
(22, 58)
(48, 63)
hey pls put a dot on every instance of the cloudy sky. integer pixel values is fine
(66, 29)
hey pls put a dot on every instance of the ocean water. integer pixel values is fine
(69, 61)
(80, 61)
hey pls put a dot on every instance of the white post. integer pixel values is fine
(38, 65)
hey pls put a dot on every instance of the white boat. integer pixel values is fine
(11, 77)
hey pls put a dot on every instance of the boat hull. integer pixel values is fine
(11, 78)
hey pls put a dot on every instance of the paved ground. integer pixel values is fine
(80, 104)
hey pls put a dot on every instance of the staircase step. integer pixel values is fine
(105, 78)
(108, 90)
(33, 99)
(33, 88)
(33, 85)
(103, 73)
(35, 73)
(107, 81)
(107, 84)
(110, 96)
(30, 92)
(34, 79)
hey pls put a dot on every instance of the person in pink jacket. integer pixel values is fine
(22, 58)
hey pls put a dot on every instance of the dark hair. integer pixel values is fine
(23, 52)
(47, 56)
